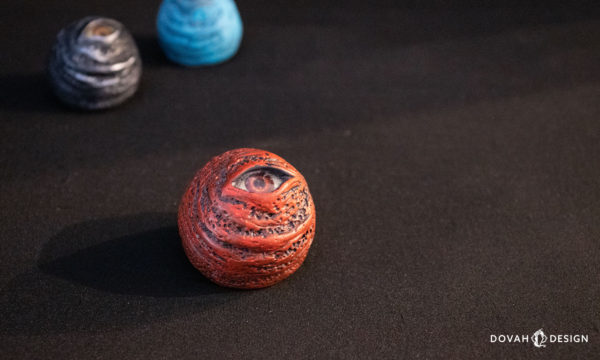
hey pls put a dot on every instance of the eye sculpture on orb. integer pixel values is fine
(199, 32)
(247, 219)
(94, 64)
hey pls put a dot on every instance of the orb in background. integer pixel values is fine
(199, 32)
(94, 64)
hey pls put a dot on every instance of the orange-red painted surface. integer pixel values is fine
(247, 219)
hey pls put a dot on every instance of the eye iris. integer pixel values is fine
(260, 183)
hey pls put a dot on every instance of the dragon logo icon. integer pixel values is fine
(539, 338)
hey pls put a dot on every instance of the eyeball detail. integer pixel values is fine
(261, 180)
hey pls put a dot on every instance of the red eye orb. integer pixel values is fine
(247, 219)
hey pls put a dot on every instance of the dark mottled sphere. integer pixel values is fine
(247, 219)
(94, 64)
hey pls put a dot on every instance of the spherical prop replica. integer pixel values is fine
(199, 32)
(94, 64)
(247, 219)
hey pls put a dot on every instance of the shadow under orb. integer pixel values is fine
(108, 273)
(147, 263)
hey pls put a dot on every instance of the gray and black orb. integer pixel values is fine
(94, 64)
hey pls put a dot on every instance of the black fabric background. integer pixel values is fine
(452, 151)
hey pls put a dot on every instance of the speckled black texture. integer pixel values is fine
(94, 71)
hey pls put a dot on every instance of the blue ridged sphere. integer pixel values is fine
(199, 32)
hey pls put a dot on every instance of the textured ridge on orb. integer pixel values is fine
(244, 239)
(94, 64)
(199, 32)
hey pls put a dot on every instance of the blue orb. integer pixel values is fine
(199, 32)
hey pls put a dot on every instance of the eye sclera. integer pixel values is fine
(261, 180)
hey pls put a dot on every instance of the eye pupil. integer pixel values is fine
(260, 183)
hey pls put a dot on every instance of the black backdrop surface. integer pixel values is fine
(452, 152)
